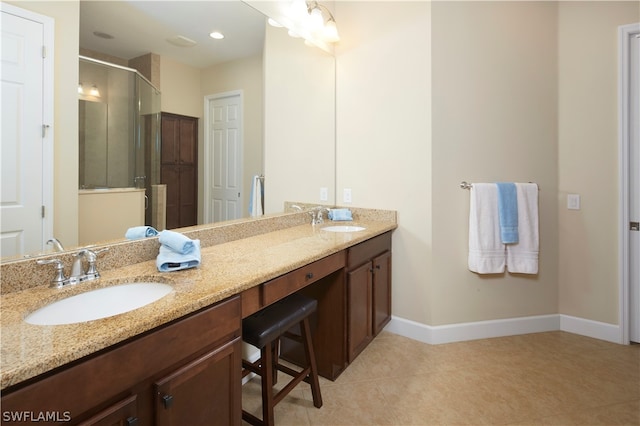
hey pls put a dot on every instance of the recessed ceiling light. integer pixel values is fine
(216, 35)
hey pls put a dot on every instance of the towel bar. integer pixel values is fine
(466, 185)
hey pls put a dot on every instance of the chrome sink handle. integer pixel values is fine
(92, 273)
(59, 280)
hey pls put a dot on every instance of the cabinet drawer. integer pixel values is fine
(285, 285)
(367, 250)
(102, 378)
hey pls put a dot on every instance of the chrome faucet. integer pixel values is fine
(316, 215)
(57, 246)
(296, 207)
(78, 272)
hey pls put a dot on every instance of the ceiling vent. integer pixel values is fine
(181, 41)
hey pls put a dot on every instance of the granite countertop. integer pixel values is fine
(226, 269)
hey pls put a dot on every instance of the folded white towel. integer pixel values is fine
(486, 251)
(522, 257)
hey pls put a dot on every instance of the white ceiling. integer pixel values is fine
(141, 27)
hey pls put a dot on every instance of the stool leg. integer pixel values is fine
(275, 351)
(311, 359)
(266, 366)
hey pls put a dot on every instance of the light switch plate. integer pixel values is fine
(324, 194)
(573, 201)
(346, 195)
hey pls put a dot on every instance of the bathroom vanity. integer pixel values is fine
(178, 360)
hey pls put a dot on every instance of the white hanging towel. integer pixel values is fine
(486, 251)
(522, 257)
(255, 201)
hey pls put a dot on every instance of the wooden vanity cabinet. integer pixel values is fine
(368, 292)
(185, 372)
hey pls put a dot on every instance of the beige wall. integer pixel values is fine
(588, 156)
(180, 87)
(484, 91)
(299, 117)
(494, 119)
(384, 142)
(67, 17)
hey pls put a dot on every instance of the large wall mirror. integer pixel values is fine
(296, 122)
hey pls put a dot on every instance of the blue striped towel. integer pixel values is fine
(508, 212)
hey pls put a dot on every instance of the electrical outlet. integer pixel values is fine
(324, 194)
(573, 201)
(346, 195)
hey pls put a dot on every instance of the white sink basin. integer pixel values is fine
(343, 228)
(100, 303)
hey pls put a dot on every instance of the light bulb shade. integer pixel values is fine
(94, 91)
(298, 8)
(331, 32)
(316, 21)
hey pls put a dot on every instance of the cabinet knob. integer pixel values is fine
(167, 401)
(310, 275)
(131, 421)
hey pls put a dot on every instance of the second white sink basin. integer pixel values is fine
(100, 303)
(343, 228)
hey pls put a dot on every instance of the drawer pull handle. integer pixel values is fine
(132, 421)
(167, 401)
(309, 275)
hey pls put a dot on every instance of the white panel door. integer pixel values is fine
(225, 158)
(22, 136)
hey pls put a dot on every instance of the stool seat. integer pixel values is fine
(264, 330)
(274, 320)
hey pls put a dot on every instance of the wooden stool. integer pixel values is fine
(263, 330)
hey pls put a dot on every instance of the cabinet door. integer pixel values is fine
(381, 292)
(123, 413)
(359, 286)
(188, 140)
(204, 392)
(170, 146)
(188, 196)
(179, 169)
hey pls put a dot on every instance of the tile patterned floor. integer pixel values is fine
(553, 378)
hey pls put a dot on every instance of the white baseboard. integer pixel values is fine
(590, 328)
(439, 334)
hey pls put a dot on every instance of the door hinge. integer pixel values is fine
(45, 127)
(43, 212)
(634, 226)
(44, 52)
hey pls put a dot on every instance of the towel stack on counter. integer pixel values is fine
(503, 228)
(340, 214)
(177, 252)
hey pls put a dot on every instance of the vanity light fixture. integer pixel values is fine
(94, 91)
(316, 18)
